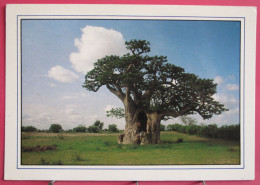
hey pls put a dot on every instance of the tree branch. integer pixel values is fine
(119, 94)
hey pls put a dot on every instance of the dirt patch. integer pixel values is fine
(39, 148)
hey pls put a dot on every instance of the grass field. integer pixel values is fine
(102, 149)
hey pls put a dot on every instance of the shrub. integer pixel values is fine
(28, 129)
(80, 128)
(231, 132)
(113, 128)
(99, 124)
(93, 129)
(55, 128)
(162, 127)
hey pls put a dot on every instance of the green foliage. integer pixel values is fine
(99, 124)
(186, 120)
(28, 129)
(153, 84)
(96, 127)
(93, 129)
(80, 128)
(231, 132)
(55, 128)
(113, 128)
(162, 127)
(116, 112)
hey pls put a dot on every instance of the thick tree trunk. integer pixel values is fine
(153, 128)
(131, 133)
(141, 128)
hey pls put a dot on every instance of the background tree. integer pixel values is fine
(186, 120)
(151, 90)
(162, 127)
(80, 128)
(99, 124)
(93, 129)
(28, 129)
(96, 127)
(113, 128)
(55, 128)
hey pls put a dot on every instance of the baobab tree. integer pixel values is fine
(151, 89)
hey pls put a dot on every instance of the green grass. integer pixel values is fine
(102, 149)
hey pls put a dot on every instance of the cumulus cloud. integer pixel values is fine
(232, 87)
(218, 80)
(233, 111)
(96, 43)
(228, 100)
(62, 75)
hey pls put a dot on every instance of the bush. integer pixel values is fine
(93, 129)
(99, 124)
(231, 132)
(55, 128)
(80, 128)
(28, 129)
(113, 128)
(174, 127)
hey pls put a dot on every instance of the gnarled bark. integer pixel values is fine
(138, 134)
(153, 127)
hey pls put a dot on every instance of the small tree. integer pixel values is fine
(99, 124)
(113, 128)
(93, 129)
(186, 120)
(80, 128)
(55, 128)
(29, 129)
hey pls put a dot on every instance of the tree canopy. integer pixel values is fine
(56, 128)
(152, 84)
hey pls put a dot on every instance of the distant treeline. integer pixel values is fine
(57, 128)
(231, 132)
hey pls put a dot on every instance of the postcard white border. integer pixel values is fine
(15, 171)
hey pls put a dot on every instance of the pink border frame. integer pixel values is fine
(155, 2)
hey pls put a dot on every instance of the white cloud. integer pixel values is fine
(96, 43)
(52, 85)
(108, 107)
(228, 100)
(233, 111)
(62, 75)
(232, 87)
(218, 80)
(74, 96)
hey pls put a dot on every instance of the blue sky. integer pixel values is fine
(57, 53)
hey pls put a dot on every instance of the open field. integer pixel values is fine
(102, 149)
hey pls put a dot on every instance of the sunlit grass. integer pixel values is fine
(102, 149)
